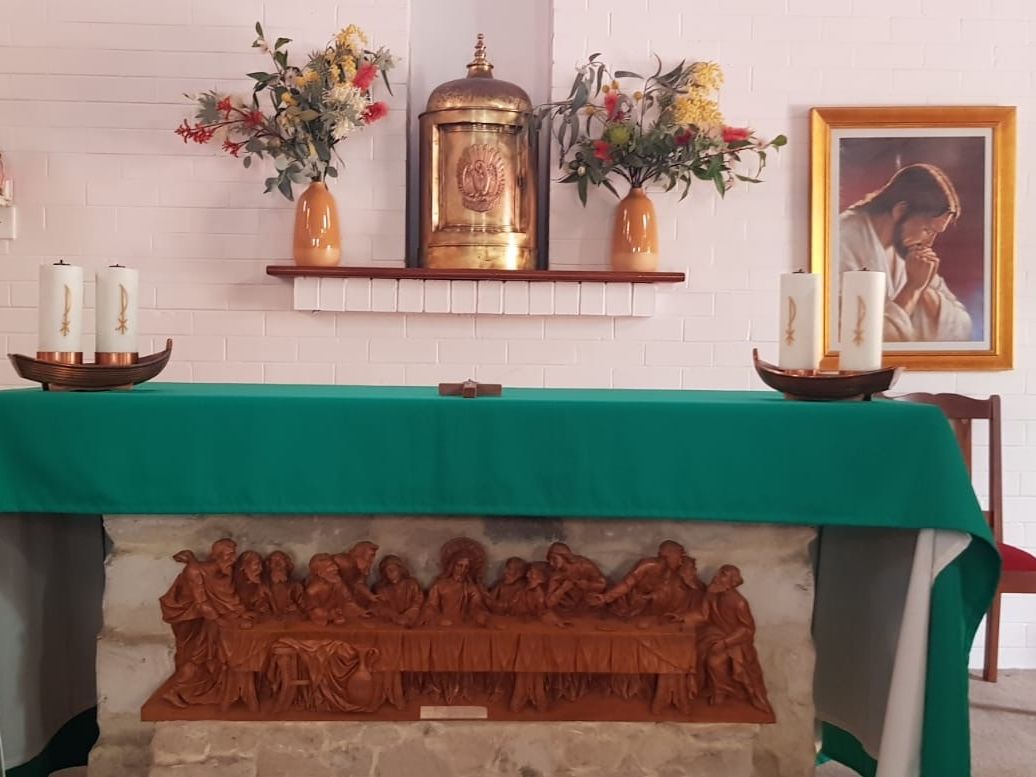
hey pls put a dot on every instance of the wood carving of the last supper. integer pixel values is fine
(548, 640)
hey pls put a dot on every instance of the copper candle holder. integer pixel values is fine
(111, 371)
(116, 358)
(825, 384)
(60, 357)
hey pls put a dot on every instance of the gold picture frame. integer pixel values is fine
(864, 161)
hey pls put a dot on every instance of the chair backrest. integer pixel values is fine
(961, 411)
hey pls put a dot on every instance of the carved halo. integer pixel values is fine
(464, 546)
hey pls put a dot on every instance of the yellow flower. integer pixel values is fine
(606, 88)
(638, 96)
(615, 85)
(707, 75)
(697, 109)
(352, 38)
(288, 99)
(306, 77)
(348, 65)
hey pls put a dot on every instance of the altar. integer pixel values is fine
(905, 563)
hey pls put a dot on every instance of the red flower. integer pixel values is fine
(254, 119)
(234, 149)
(611, 104)
(683, 137)
(224, 106)
(376, 111)
(735, 134)
(365, 76)
(199, 133)
(603, 150)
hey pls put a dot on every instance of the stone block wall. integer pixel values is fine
(135, 655)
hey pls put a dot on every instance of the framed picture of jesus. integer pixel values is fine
(926, 195)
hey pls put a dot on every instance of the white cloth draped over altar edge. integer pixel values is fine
(872, 641)
(51, 589)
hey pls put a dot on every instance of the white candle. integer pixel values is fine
(61, 308)
(802, 321)
(862, 320)
(117, 303)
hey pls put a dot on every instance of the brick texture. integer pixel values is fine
(90, 93)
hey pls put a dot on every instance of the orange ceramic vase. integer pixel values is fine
(317, 242)
(635, 235)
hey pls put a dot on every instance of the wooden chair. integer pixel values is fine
(1018, 575)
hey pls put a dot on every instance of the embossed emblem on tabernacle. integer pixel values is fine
(481, 177)
(548, 639)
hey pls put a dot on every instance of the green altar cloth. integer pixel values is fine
(727, 456)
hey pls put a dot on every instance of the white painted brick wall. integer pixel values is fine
(90, 91)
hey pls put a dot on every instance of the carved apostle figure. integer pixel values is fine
(664, 585)
(727, 643)
(326, 598)
(573, 578)
(285, 593)
(249, 585)
(457, 595)
(400, 596)
(507, 590)
(202, 594)
(355, 567)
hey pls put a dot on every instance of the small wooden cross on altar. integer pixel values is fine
(470, 389)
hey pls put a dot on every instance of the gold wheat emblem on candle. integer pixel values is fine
(123, 306)
(66, 322)
(789, 332)
(861, 314)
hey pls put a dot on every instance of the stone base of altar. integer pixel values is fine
(455, 749)
(136, 647)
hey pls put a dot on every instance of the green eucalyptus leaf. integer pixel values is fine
(582, 93)
(779, 141)
(260, 76)
(582, 190)
(281, 42)
(247, 162)
(627, 74)
(285, 187)
(332, 172)
(562, 131)
(258, 29)
(718, 180)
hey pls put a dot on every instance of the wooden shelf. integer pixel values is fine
(423, 274)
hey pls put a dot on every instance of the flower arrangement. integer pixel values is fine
(668, 129)
(311, 109)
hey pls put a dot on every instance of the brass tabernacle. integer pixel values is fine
(478, 173)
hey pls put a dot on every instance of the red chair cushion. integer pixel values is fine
(1016, 559)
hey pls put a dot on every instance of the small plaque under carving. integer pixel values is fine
(447, 712)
